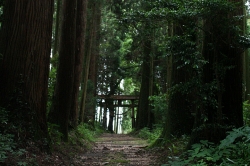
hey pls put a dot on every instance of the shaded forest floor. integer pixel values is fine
(108, 149)
(125, 150)
(118, 149)
(111, 150)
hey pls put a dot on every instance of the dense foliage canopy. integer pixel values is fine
(186, 61)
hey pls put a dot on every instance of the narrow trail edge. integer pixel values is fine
(118, 150)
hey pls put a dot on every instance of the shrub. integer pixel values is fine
(150, 135)
(159, 104)
(54, 133)
(233, 150)
(88, 132)
(6, 140)
(246, 112)
(6, 145)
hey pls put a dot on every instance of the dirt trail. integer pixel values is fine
(118, 150)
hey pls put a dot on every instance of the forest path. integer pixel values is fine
(118, 150)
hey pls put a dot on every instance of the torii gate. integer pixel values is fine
(119, 98)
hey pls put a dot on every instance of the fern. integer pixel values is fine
(233, 150)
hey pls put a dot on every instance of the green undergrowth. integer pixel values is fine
(28, 152)
(160, 146)
(233, 150)
(81, 139)
(150, 135)
(7, 144)
(87, 132)
(83, 136)
(246, 113)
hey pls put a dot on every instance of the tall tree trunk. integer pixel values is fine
(117, 118)
(169, 58)
(93, 62)
(179, 119)
(104, 121)
(247, 75)
(143, 107)
(57, 31)
(61, 105)
(88, 52)
(223, 75)
(232, 96)
(81, 20)
(111, 108)
(246, 61)
(110, 102)
(25, 45)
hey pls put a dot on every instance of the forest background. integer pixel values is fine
(187, 61)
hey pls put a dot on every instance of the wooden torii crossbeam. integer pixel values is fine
(119, 98)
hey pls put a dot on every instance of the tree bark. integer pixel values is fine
(93, 63)
(61, 105)
(25, 45)
(57, 31)
(179, 119)
(223, 75)
(143, 112)
(246, 61)
(233, 94)
(88, 52)
(81, 20)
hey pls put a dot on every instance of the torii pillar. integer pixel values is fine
(105, 116)
(133, 113)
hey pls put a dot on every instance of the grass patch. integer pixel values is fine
(117, 158)
(116, 161)
(150, 135)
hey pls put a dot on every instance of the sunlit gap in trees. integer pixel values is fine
(120, 118)
(247, 5)
(119, 113)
